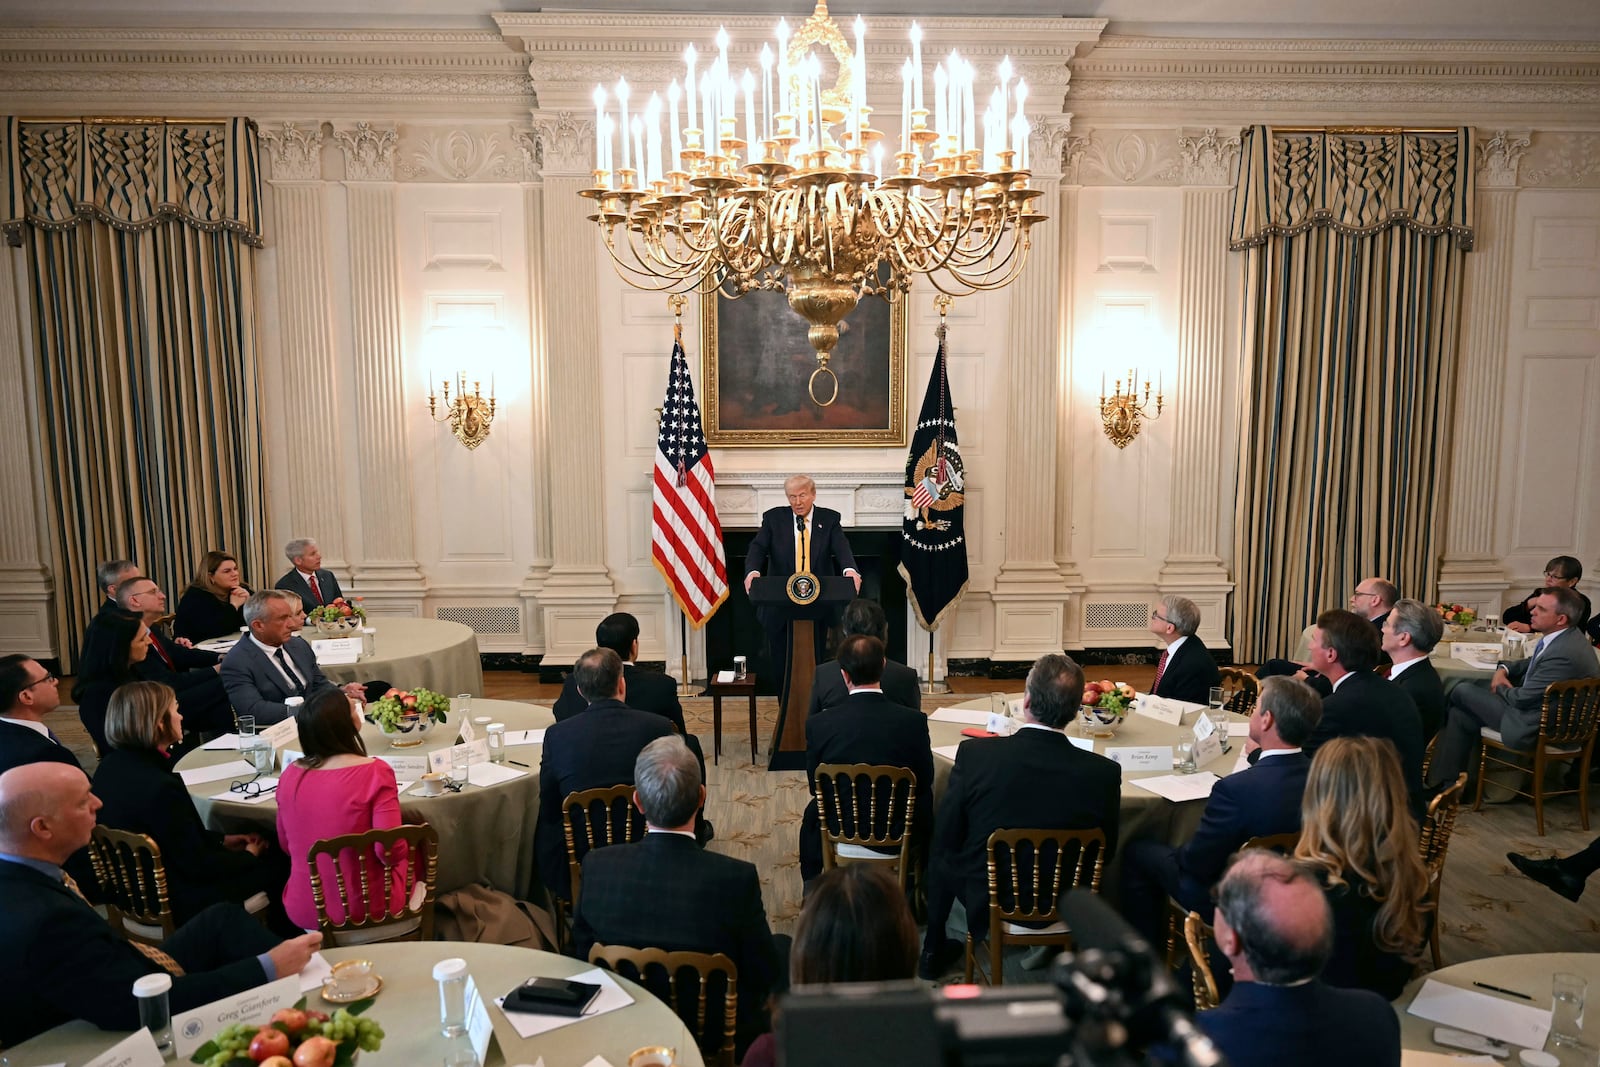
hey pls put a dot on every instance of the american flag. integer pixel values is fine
(686, 536)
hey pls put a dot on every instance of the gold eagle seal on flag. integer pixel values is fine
(940, 485)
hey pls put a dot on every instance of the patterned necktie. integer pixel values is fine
(1385, 671)
(162, 652)
(153, 954)
(52, 735)
(1538, 648)
(1161, 668)
(316, 592)
(289, 671)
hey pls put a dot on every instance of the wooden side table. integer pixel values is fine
(718, 690)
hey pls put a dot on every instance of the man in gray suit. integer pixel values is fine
(1511, 700)
(306, 578)
(268, 667)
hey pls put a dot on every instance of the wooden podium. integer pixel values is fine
(771, 596)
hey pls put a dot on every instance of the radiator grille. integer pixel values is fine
(501, 620)
(1115, 616)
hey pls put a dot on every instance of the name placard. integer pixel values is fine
(337, 649)
(1163, 709)
(476, 752)
(1141, 757)
(135, 1050)
(1207, 748)
(1001, 725)
(191, 1029)
(480, 1028)
(407, 768)
(282, 733)
(468, 734)
(1204, 728)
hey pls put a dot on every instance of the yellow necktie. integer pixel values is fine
(155, 955)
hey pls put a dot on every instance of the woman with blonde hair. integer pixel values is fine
(212, 605)
(1357, 832)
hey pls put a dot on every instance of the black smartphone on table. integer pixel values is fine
(552, 996)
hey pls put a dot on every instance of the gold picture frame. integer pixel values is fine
(755, 390)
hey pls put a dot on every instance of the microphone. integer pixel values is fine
(800, 524)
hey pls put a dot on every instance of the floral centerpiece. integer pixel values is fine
(1105, 705)
(1456, 614)
(410, 712)
(295, 1037)
(338, 618)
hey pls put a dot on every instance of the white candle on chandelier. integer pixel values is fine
(724, 103)
(858, 83)
(953, 111)
(622, 120)
(652, 133)
(611, 158)
(599, 122)
(766, 92)
(708, 118)
(816, 94)
(1004, 93)
(783, 68)
(877, 160)
(941, 98)
(905, 106)
(1021, 123)
(673, 92)
(916, 66)
(749, 85)
(688, 83)
(969, 112)
(638, 147)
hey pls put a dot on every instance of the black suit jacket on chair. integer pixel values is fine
(867, 728)
(666, 892)
(772, 549)
(590, 751)
(257, 687)
(21, 745)
(1258, 801)
(1421, 683)
(327, 585)
(649, 691)
(1365, 705)
(1191, 673)
(1034, 778)
(900, 684)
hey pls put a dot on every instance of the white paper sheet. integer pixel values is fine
(1085, 743)
(611, 998)
(1504, 1020)
(487, 774)
(524, 737)
(217, 772)
(964, 716)
(222, 743)
(268, 794)
(1179, 787)
(313, 973)
(218, 644)
(947, 751)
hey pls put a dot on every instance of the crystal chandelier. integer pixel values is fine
(801, 203)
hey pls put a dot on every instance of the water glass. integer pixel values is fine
(1184, 760)
(461, 702)
(1566, 1009)
(460, 761)
(1214, 698)
(247, 725)
(262, 755)
(497, 742)
(451, 975)
(741, 669)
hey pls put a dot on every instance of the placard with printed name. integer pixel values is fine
(334, 650)
(135, 1050)
(1163, 709)
(1207, 748)
(407, 768)
(1141, 757)
(282, 733)
(191, 1029)
(477, 752)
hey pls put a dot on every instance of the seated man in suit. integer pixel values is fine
(1373, 599)
(76, 966)
(866, 727)
(666, 892)
(110, 574)
(1409, 634)
(1274, 926)
(1259, 801)
(593, 750)
(306, 578)
(798, 537)
(1185, 670)
(271, 665)
(28, 693)
(1034, 778)
(900, 685)
(193, 673)
(1511, 701)
(1562, 572)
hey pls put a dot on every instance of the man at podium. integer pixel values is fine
(801, 538)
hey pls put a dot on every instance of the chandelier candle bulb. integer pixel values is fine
(622, 120)
(749, 84)
(638, 150)
(766, 92)
(858, 86)
(1005, 97)
(783, 68)
(599, 124)
(916, 66)
(968, 111)
(688, 84)
(673, 92)
(941, 101)
(905, 107)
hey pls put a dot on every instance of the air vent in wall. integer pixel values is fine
(1115, 616)
(484, 620)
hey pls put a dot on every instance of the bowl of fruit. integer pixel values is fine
(295, 1037)
(1105, 705)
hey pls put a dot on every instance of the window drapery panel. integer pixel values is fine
(1355, 247)
(139, 239)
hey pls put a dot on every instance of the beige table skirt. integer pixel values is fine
(408, 1010)
(485, 835)
(412, 653)
(1528, 974)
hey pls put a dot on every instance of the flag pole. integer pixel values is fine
(685, 688)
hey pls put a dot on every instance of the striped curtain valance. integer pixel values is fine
(1352, 182)
(133, 174)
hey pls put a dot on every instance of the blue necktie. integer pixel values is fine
(52, 735)
(1536, 650)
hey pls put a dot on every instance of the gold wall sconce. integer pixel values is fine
(1121, 413)
(469, 415)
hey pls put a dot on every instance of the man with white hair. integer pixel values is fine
(271, 665)
(306, 578)
(67, 961)
(1185, 670)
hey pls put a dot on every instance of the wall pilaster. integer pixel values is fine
(27, 602)
(539, 405)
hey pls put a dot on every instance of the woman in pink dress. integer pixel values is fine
(335, 789)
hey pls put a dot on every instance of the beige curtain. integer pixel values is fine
(139, 239)
(1354, 250)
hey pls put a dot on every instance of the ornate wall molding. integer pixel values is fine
(369, 151)
(1047, 145)
(460, 155)
(565, 142)
(1563, 160)
(1207, 158)
(295, 149)
(1497, 156)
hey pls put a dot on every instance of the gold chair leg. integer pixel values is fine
(1539, 770)
(1433, 936)
(1483, 760)
(1583, 790)
(966, 974)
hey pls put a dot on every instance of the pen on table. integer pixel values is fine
(1499, 989)
(519, 763)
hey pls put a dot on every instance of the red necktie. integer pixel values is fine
(1385, 669)
(162, 652)
(1161, 668)
(314, 590)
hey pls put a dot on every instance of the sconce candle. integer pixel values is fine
(469, 415)
(1121, 413)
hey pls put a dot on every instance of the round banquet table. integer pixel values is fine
(408, 1010)
(412, 653)
(485, 834)
(1528, 974)
(1142, 813)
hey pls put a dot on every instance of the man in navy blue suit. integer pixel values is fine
(307, 578)
(28, 693)
(1274, 926)
(1258, 801)
(798, 537)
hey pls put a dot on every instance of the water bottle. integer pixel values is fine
(451, 974)
(155, 1013)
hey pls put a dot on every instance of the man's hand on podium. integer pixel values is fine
(854, 577)
(752, 576)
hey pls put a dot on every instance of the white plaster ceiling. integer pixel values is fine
(1552, 20)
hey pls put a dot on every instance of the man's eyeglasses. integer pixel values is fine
(1362, 592)
(251, 788)
(42, 681)
(1158, 615)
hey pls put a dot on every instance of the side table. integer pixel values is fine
(717, 690)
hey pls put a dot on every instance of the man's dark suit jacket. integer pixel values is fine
(867, 728)
(900, 684)
(69, 964)
(649, 691)
(202, 698)
(1421, 683)
(666, 892)
(20, 745)
(1365, 705)
(772, 550)
(590, 751)
(1034, 778)
(1261, 800)
(327, 585)
(1190, 674)
(257, 687)
(1311, 1025)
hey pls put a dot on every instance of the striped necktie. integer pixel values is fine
(155, 955)
(1161, 668)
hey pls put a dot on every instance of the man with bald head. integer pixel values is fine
(1274, 926)
(65, 960)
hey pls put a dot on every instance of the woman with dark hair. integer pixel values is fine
(210, 607)
(140, 793)
(334, 789)
(114, 642)
(855, 927)
(1357, 832)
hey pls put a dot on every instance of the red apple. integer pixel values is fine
(1107, 686)
(268, 1042)
(277, 1061)
(1091, 695)
(315, 1052)
(293, 1020)
(318, 1016)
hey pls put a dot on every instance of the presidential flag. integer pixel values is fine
(933, 557)
(686, 536)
